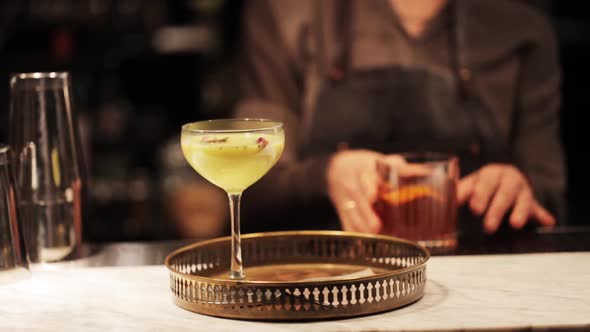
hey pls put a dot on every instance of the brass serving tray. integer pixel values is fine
(300, 275)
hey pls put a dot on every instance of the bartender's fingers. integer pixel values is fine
(347, 219)
(369, 217)
(465, 188)
(406, 169)
(357, 215)
(369, 182)
(365, 217)
(542, 216)
(502, 200)
(488, 180)
(394, 160)
(522, 209)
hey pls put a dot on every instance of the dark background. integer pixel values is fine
(142, 68)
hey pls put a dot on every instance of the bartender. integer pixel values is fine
(355, 81)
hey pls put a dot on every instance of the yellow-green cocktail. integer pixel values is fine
(233, 154)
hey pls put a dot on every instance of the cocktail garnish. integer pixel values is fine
(207, 139)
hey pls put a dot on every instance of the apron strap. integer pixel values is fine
(485, 124)
(333, 22)
(460, 60)
(319, 38)
(343, 30)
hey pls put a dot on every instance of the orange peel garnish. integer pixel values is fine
(409, 193)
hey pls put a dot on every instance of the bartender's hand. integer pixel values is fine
(496, 188)
(352, 181)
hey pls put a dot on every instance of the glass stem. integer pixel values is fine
(237, 270)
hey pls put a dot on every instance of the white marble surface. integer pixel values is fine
(466, 292)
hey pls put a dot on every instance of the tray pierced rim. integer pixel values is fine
(335, 234)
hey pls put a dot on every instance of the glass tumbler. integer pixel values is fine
(14, 265)
(48, 162)
(417, 198)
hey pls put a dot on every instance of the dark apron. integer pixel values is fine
(396, 109)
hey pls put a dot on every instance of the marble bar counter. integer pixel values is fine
(523, 292)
